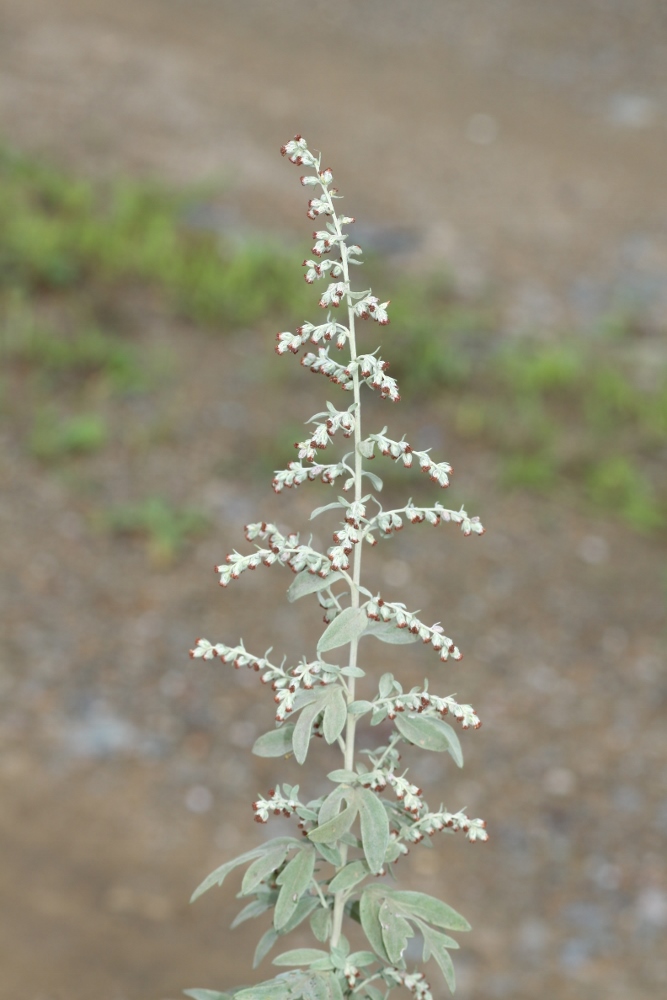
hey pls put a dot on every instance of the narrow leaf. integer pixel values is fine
(430, 909)
(253, 909)
(294, 879)
(304, 725)
(310, 583)
(395, 931)
(218, 876)
(374, 828)
(333, 829)
(277, 743)
(300, 956)
(429, 734)
(369, 915)
(320, 924)
(321, 510)
(349, 624)
(304, 908)
(264, 946)
(330, 854)
(262, 867)
(388, 632)
(376, 481)
(335, 715)
(349, 876)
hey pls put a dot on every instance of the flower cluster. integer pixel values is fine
(295, 474)
(277, 803)
(436, 822)
(379, 610)
(438, 472)
(415, 982)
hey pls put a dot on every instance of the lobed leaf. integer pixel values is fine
(428, 908)
(218, 876)
(436, 944)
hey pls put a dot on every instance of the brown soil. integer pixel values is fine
(124, 769)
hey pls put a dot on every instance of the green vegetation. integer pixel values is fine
(568, 413)
(165, 528)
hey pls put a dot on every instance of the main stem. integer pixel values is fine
(339, 900)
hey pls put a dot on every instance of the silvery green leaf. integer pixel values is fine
(321, 510)
(396, 931)
(320, 924)
(430, 733)
(342, 775)
(434, 944)
(386, 685)
(262, 867)
(331, 805)
(294, 879)
(207, 995)
(304, 908)
(428, 908)
(388, 632)
(303, 729)
(352, 672)
(254, 909)
(277, 743)
(376, 481)
(369, 915)
(374, 828)
(335, 715)
(218, 876)
(264, 946)
(362, 958)
(372, 993)
(333, 829)
(275, 989)
(366, 448)
(310, 583)
(322, 987)
(349, 624)
(300, 956)
(379, 715)
(330, 854)
(349, 876)
(360, 707)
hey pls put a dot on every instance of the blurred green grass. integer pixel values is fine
(573, 413)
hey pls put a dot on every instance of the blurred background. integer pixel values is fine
(506, 162)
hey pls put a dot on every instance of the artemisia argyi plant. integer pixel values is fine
(338, 869)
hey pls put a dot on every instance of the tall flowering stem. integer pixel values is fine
(350, 839)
